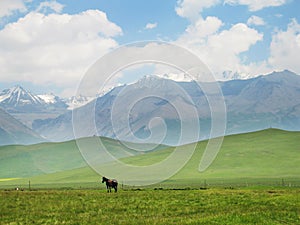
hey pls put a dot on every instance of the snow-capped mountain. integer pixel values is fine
(19, 100)
(27, 107)
(252, 104)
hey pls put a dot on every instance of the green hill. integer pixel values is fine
(259, 157)
(270, 155)
(45, 158)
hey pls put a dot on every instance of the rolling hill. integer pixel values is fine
(46, 158)
(265, 157)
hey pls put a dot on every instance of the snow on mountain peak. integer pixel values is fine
(17, 99)
(48, 98)
(77, 101)
(18, 95)
(181, 77)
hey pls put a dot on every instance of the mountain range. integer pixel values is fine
(27, 107)
(19, 100)
(144, 110)
(153, 109)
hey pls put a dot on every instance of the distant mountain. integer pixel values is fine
(27, 107)
(14, 132)
(19, 100)
(263, 102)
(252, 104)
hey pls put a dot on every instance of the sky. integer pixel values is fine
(47, 46)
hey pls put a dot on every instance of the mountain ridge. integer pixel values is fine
(14, 132)
(251, 104)
(19, 100)
(254, 104)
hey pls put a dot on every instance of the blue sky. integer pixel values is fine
(47, 46)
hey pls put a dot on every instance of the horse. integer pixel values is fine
(110, 184)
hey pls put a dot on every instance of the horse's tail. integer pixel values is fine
(115, 184)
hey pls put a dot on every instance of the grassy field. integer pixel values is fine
(211, 206)
(254, 180)
(269, 157)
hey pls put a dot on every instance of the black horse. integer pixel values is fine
(110, 184)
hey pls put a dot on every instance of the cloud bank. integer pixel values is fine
(285, 48)
(56, 48)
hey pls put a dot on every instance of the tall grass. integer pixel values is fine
(213, 206)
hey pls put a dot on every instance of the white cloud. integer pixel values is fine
(54, 5)
(150, 26)
(285, 48)
(8, 7)
(219, 49)
(200, 30)
(256, 20)
(255, 5)
(54, 49)
(191, 9)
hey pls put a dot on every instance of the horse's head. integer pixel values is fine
(104, 179)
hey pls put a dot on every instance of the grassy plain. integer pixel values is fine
(253, 180)
(211, 206)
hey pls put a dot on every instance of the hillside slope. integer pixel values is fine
(45, 158)
(270, 153)
(252, 157)
(13, 131)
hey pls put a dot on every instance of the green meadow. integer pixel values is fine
(211, 206)
(269, 157)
